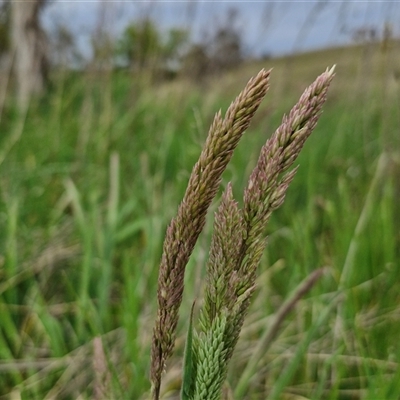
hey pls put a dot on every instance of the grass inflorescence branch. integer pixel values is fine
(238, 240)
(184, 229)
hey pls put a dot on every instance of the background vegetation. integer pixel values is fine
(90, 177)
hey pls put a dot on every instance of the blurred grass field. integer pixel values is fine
(93, 173)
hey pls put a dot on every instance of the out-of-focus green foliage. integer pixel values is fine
(81, 233)
(143, 45)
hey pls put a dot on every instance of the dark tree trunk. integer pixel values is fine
(29, 47)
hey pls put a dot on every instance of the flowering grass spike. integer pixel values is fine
(238, 239)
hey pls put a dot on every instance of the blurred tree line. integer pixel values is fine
(143, 47)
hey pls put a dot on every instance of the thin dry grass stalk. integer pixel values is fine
(185, 228)
(102, 375)
(266, 340)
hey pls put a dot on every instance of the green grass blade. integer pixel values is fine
(188, 363)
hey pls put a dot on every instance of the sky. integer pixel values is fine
(268, 28)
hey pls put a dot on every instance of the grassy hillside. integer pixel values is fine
(93, 173)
